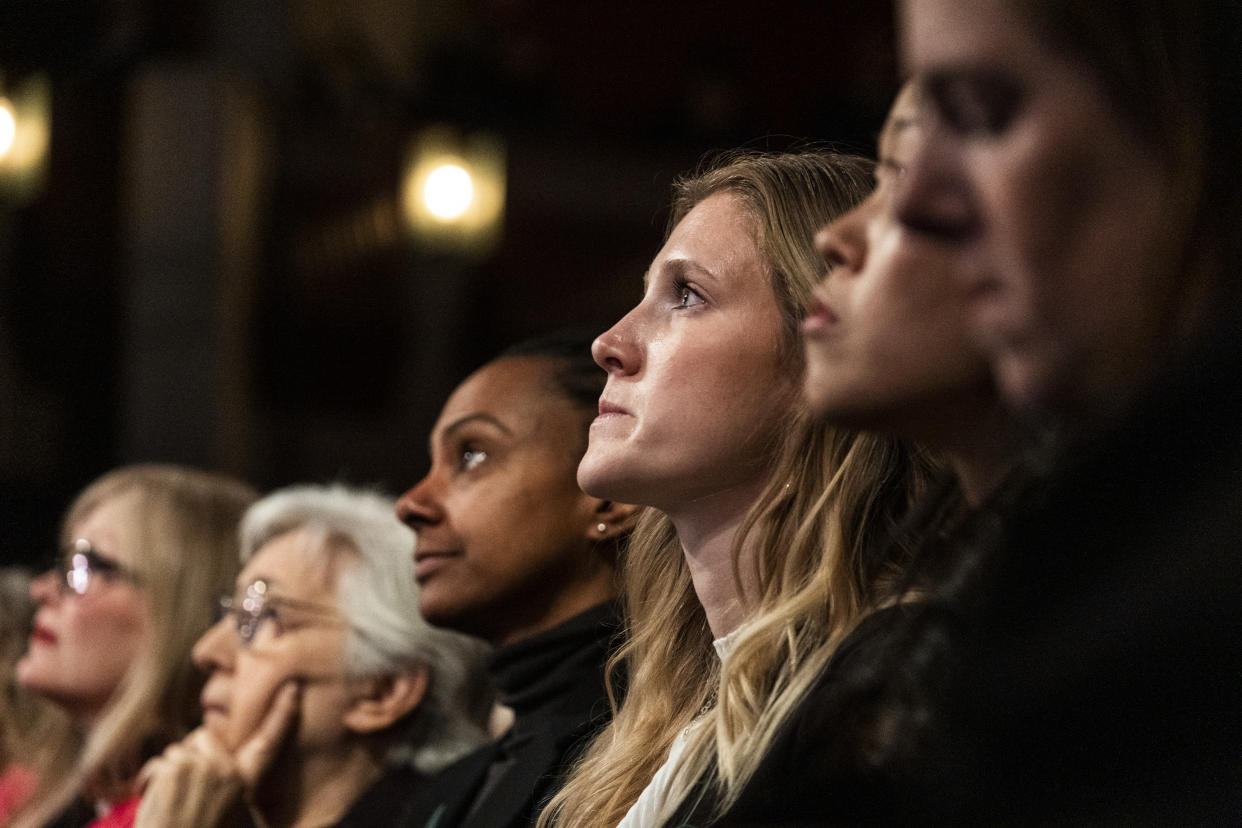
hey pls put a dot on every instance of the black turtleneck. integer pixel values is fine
(554, 683)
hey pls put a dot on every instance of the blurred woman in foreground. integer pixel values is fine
(1081, 164)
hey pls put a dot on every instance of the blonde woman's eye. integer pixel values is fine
(687, 297)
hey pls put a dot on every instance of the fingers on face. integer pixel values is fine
(254, 757)
(192, 782)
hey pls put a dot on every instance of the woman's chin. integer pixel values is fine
(822, 399)
(605, 478)
(216, 722)
(601, 486)
(1028, 378)
(596, 474)
(28, 674)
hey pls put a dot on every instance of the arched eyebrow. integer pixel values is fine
(479, 416)
(682, 266)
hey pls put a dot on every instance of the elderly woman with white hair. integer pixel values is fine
(328, 697)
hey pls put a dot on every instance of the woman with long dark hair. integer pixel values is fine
(1081, 164)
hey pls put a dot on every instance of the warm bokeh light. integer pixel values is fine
(8, 127)
(448, 192)
(25, 130)
(453, 191)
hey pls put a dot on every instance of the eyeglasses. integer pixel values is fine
(86, 565)
(258, 606)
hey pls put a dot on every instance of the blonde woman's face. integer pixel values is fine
(697, 389)
(298, 634)
(84, 644)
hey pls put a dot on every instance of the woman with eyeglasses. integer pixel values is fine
(328, 698)
(144, 549)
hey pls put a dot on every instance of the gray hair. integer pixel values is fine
(379, 599)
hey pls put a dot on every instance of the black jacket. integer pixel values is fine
(810, 776)
(1091, 671)
(1102, 683)
(554, 682)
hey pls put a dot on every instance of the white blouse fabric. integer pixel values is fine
(642, 813)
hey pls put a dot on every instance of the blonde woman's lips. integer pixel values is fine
(609, 412)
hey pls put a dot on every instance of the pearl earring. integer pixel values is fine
(602, 528)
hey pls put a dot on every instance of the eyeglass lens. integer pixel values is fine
(85, 562)
(250, 614)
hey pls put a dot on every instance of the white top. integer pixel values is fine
(642, 814)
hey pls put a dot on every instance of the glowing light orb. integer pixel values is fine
(448, 192)
(8, 127)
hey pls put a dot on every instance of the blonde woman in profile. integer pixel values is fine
(887, 350)
(145, 550)
(769, 538)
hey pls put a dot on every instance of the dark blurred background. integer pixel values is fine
(211, 262)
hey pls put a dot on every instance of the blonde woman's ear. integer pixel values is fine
(380, 701)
